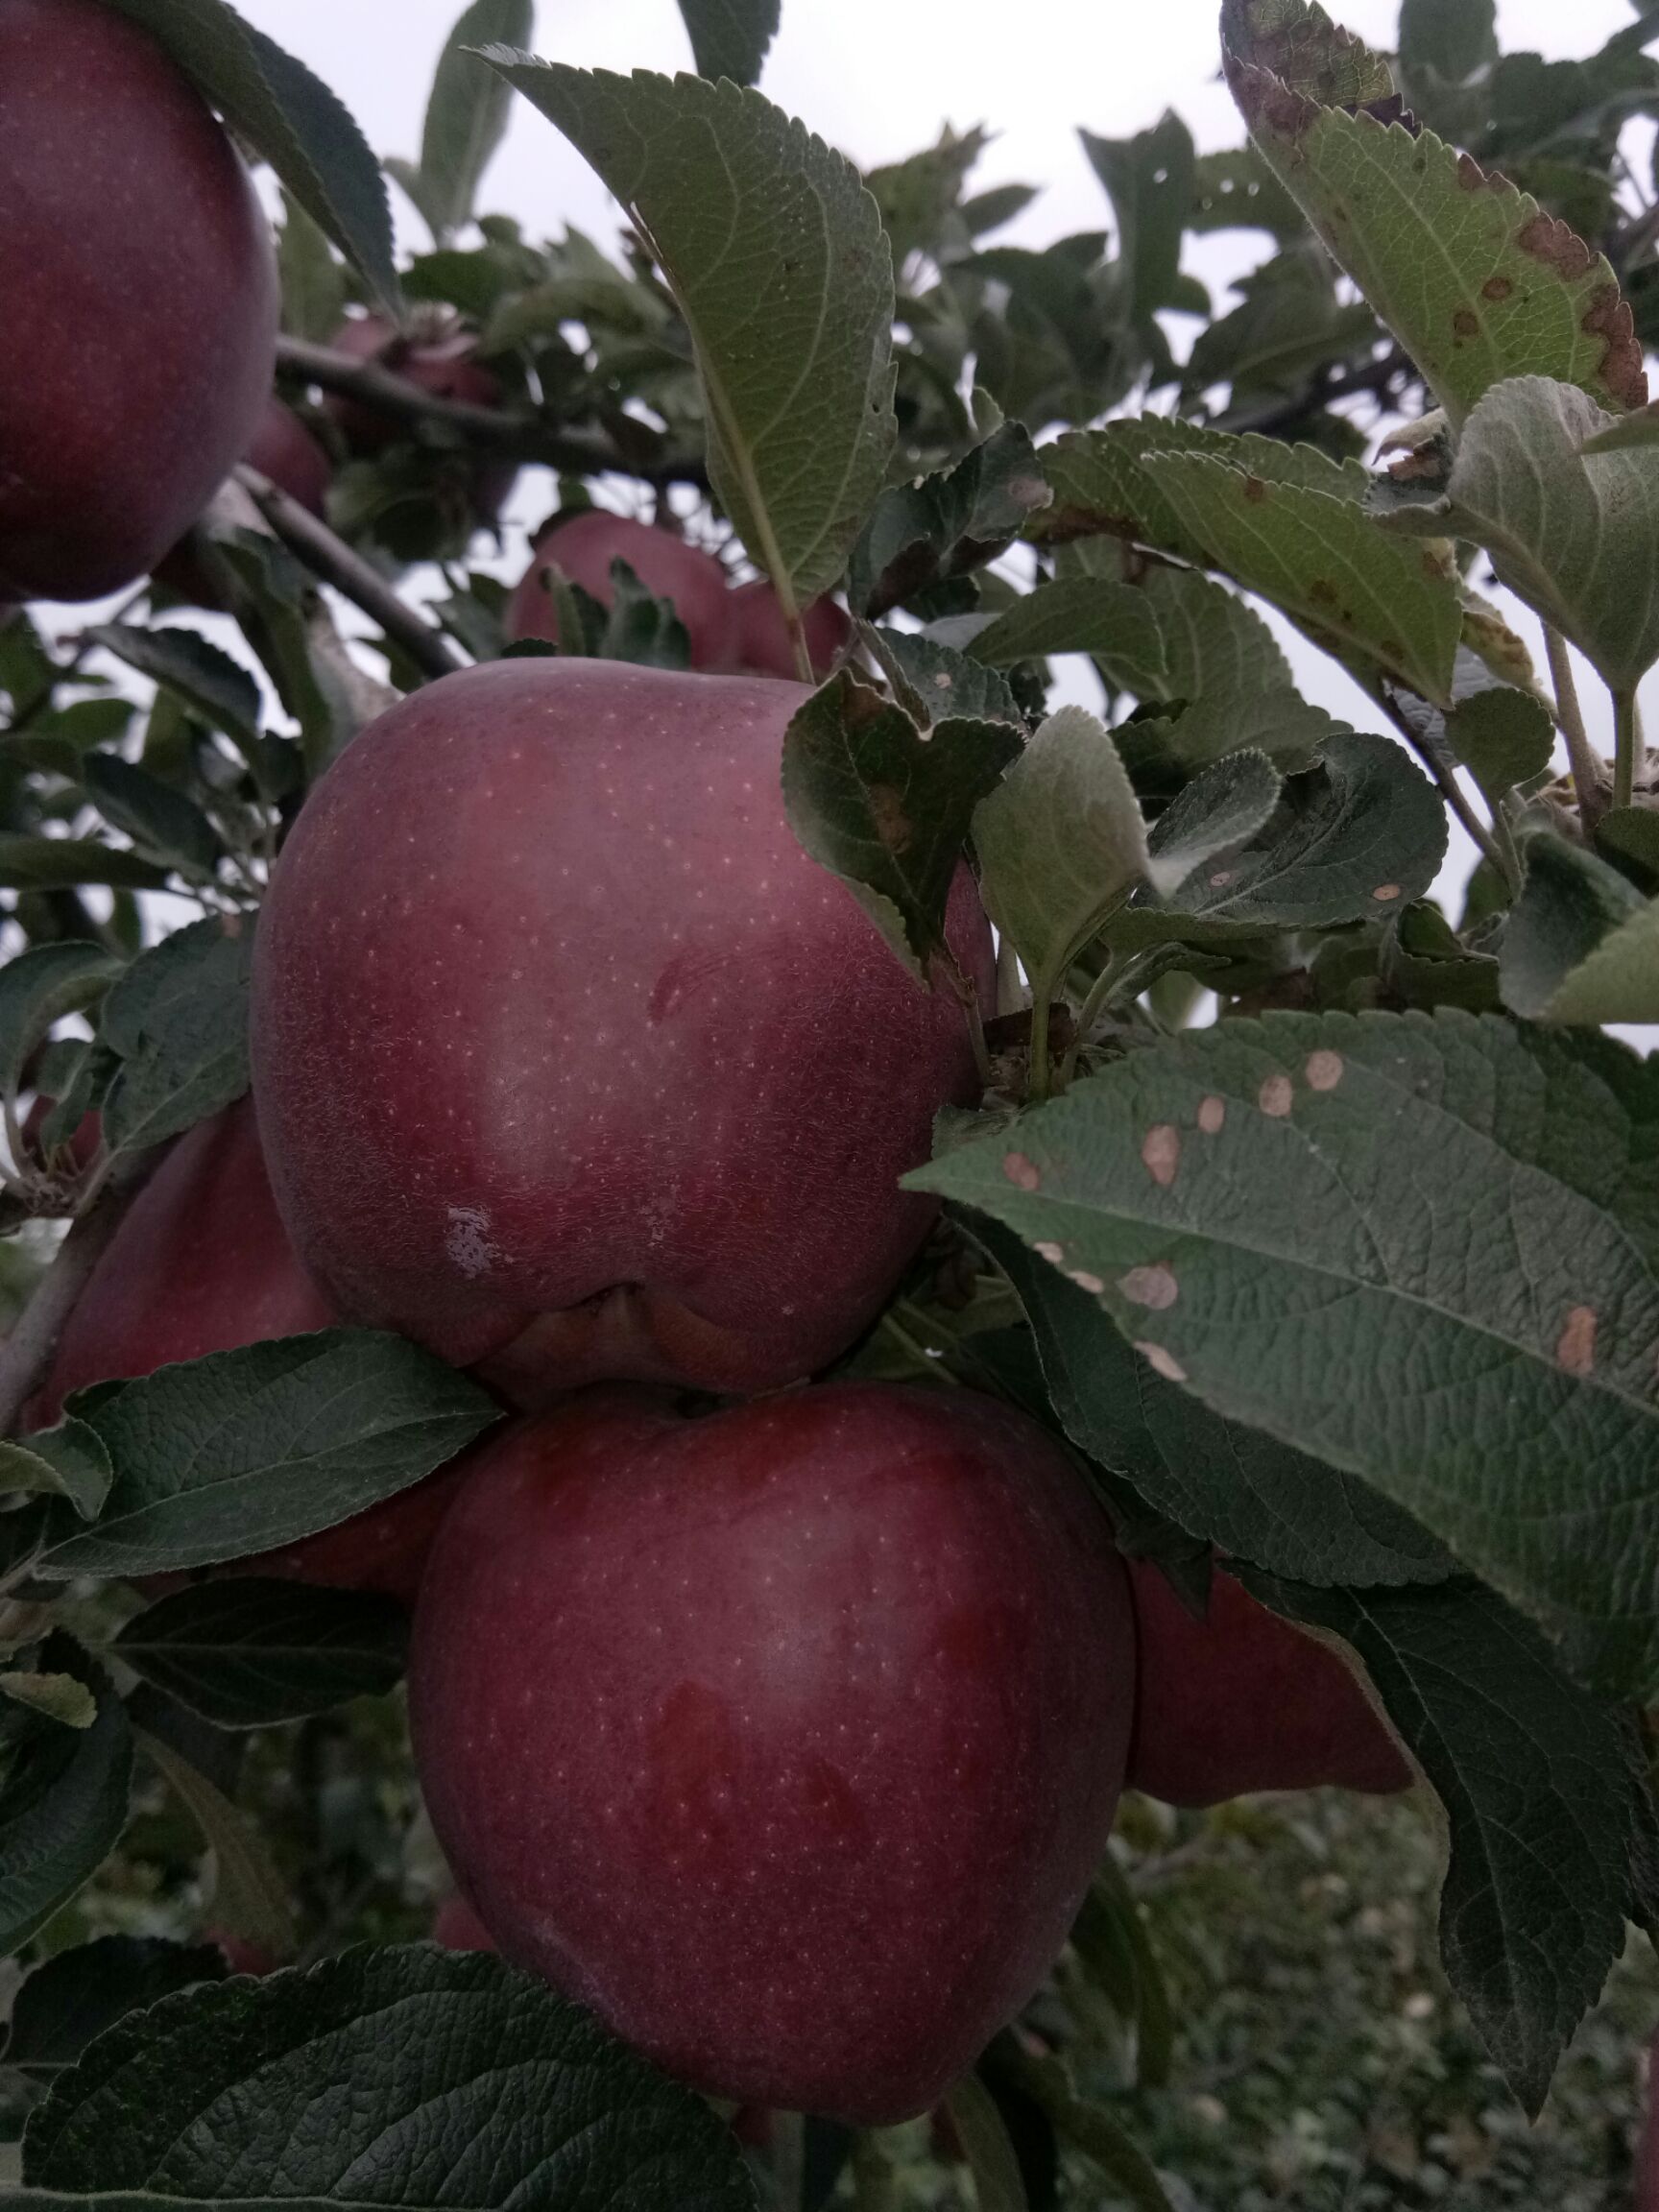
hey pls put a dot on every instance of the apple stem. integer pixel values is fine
(334, 561)
(28, 1351)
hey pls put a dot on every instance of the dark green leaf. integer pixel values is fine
(314, 289)
(1503, 736)
(290, 119)
(1582, 944)
(1216, 816)
(992, 2160)
(1235, 1487)
(775, 253)
(1425, 1248)
(37, 988)
(1110, 1939)
(467, 114)
(205, 677)
(886, 809)
(500, 2093)
(246, 1451)
(63, 1800)
(1116, 623)
(68, 1461)
(178, 1020)
(732, 38)
(1150, 179)
(171, 828)
(934, 684)
(1544, 1799)
(70, 2001)
(67, 863)
(248, 1654)
(1454, 38)
(945, 526)
(248, 1895)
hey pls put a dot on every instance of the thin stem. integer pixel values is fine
(1452, 791)
(1629, 748)
(1039, 1075)
(508, 429)
(28, 1351)
(1582, 758)
(331, 559)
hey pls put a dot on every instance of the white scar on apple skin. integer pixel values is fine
(468, 1242)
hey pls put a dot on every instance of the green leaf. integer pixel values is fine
(775, 253)
(1324, 563)
(248, 1896)
(731, 38)
(997, 2186)
(467, 114)
(247, 1451)
(1116, 623)
(1582, 944)
(178, 1020)
(1359, 836)
(1503, 737)
(245, 1653)
(1111, 1941)
(67, 863)
(927, 533)
(1573, 534)
(1632, 833)
(1251, 1496)
(1103, 488)
(59, 1697)
(160, 820)
(887, 809)
(37, 988)
(500, 2093)
(63, 1800)
(204, 676)
(934, 685)
(1425, 1248)
(314, 288)
(1215, 646)
(1236, 190)
(1455, 38)
(1543, 1797)
(1626, 433)
(1087, 2126)
(67, 2002)
(290, 119)
(1060, 843)
(68, 1461)
(1218, 813)
(276, 612)
(1151, 182)
(1476, 281)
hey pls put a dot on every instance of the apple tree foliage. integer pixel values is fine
(1357, 1285)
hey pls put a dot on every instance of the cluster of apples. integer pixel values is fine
(782, 1720)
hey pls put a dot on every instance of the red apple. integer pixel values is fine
(440, 356)
(458, 1928)
(761, 645)
(583, 546)
(283, 450)
(787, 1739)
(200, 1265)
(1242, 1701)
(569, 1062)
(243, 1956)
(140, 301)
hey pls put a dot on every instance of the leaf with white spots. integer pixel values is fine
(1061, 842)
(1422, 1248)
(774, 252)
(886, 808)
(1359, 836)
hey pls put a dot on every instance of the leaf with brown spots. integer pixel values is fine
(1440, 1274)
(887, 809)
(1474, 279)
(1324, 562)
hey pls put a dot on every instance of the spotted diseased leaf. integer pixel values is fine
(1582, 944)
(247, 1451)
(504, 2093)
(1060, 843)
(290, 119)
(178, 1020)
(63, 1796)
(944, 526)
(1327, 563)
(1475, 280)
(1424, 1248)
(1544, 1803)
(887, 809)
(776, 255)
